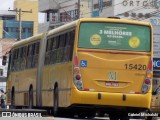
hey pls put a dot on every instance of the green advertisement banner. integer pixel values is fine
(114, 36)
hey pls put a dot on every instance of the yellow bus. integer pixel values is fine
(85, 66)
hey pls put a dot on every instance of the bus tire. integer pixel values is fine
(91, 115)
(13, 98)
(82, 115)
(30, 104)
(114, 117)
(124, 118)
(55, 108)
(149, 118)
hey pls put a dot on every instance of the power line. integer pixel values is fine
(105, 8)
(63, 9)
(135, 9)
(154, 12)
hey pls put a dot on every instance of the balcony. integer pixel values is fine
(48, 6)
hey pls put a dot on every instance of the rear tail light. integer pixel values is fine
(76, 70)
(150, 65)
(148, 79)
(145, 88)
(75, 60)
(77, 75)
(149, 75)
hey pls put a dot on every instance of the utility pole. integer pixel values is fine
(79, 9)
(19, 13)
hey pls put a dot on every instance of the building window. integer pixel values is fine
(6, 29)
(54, 17)
(69, 15)
(12, 29)
(17, 29)
(30, 30)
(96, 6)
(104, 4)
(107, 3)
(23, 30)
(1, 72)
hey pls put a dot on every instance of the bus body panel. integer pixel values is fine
(116, 72)
(20, 77)
(111, 99)
(62, 74)
(21, 81)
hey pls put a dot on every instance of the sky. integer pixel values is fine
(6, 4)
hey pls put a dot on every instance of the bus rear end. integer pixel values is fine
(113, 65)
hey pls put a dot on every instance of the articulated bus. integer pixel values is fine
(86, 66)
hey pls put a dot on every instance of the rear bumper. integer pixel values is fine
(119, 100)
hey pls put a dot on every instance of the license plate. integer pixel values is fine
(115, 84)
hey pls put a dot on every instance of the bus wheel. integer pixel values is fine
(113, 117)
(30, 104)
(55, 108)
(149, 117)
(13, 98)
(124, 118)
(91, 115)
(81, 115)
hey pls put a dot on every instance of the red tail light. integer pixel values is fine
(77, 74)
(75, 60)
(78, 77)
(150, 65)
(147, 81)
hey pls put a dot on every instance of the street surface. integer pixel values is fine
(61, 118)
(96, 118)
(38, 114)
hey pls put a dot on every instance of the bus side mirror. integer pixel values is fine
(4, 60)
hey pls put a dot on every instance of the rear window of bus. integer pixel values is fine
(116, 36)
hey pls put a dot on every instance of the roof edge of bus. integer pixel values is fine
(27, 40)
(115, 20)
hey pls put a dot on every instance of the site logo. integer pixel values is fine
(95, 39)
(14, 114)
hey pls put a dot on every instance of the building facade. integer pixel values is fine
(59, 12)
(9, 20)
(31, 6)
(5, 45)
(9, 32)
(11, 29)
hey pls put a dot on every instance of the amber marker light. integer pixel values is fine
(149, 75)
(76, 71)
